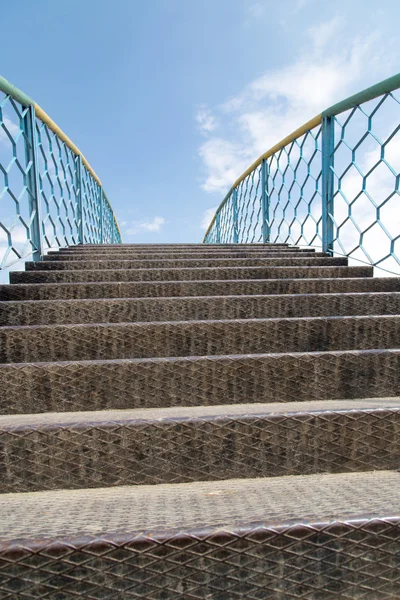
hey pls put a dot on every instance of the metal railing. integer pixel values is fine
(333, 183)
(50, 196)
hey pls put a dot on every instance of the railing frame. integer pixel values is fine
(326, 120)
(81, 214)
(33, 183)
(29, 113)
(266, 230)
(328, 147)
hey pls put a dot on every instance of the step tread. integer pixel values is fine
(86, 310)
(283, 269)
(185, 263)
(200, 322)
(197, 380)
(195, 413)
(26, 518)
(184, 338)
(189, 274)
(191, 359)
(75, 256)
(165, 289)
(194, 299)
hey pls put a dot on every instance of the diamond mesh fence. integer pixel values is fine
(333, 186)
(48, 197)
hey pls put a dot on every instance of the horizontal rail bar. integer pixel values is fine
(286, 140)
(44, 117)
(10, 89)
(384, 87)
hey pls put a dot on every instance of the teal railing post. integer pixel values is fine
(101, 213)
(32, 182)
(235, 217)
(80, 201)
(218, 228)
(265, 202)
(328, 147)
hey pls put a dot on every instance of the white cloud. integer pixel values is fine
(207, 216)
(12, 128)
(326, 70)
(19, 235)
(300, 4)
(206, 122)
(152, 226)
(257, 10)
(224, 161)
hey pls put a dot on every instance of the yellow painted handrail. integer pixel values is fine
(44, 117)
(287, 140)
(25, 100)
(384, 87)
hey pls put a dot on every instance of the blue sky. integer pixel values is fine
(170, 100)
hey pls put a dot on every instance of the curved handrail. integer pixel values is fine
(384, 87)
(89, 194)
(11, 90)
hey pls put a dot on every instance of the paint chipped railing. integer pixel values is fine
(50, 197)
(332, 184)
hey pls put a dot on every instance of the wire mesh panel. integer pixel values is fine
(334, 183)
(293, 191)
(49, 197)
(249, 208)
(92, 200)
(366, 167)
(58, 188)
(17, 186)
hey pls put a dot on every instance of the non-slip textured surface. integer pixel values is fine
(193, 381)
(164, 289)
(257, 539)
(203, 505)
(186, 263)
(199, 422)
(95, 449)
(188, 274)
(196, 338)
(47, 312)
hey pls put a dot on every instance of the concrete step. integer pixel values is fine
(196, 338)
(191, 263)
(151, 248)
(50, 312)
(180, 445)
(147, 247)
(129, 255)
(144, 249)
(60, 291)
(194, 381)
(316, 536)
(189, 274)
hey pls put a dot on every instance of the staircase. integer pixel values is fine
(199, 422)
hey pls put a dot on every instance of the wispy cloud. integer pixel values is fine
(11, 127)
(257, 10)
(327, 69)
(206, 122)
(207, 216)
(152, 226)
(19, 235)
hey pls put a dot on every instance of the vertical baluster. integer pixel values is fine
(101, 198)
(218, 228)
(235, 216)
(328, 146)
(266, 233)
(81, 229)
(32, 183)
